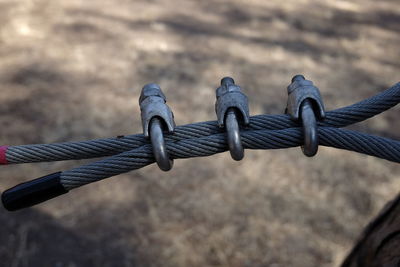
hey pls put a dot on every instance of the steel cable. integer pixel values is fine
(209, 145)
(195, 140)
(110, 146)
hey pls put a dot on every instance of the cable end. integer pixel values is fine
(33, 192)
(3, 156)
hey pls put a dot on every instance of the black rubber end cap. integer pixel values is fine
(33, 192)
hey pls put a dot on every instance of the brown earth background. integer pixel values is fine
(73, 70)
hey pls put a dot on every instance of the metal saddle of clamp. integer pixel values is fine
(305, 101)
(230, 106)
(156, 117)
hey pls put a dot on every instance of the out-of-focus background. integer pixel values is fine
(73, 70)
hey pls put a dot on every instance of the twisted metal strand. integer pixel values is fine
(209, 145)
(109, 146)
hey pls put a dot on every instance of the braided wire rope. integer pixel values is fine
(110, 146)
(193, 140)
(209, 145)
(266, 132)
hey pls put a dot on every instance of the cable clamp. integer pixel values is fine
(231, 107)
(156, 117)
(305, 104)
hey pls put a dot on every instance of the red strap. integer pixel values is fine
(3, 158)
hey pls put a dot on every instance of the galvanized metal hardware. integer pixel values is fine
(200, 139)
(232, 106)
(305, 101)
(156, 117)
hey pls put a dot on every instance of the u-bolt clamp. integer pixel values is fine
(305, 101)
(156, 117)
(232, 104)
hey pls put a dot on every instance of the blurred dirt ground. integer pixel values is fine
(73, 70)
